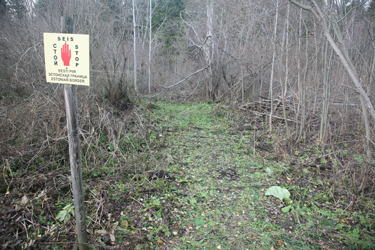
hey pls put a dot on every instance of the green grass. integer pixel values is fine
(219, 191)
(214, 198)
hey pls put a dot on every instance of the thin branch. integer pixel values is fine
(32, 47)
(344, 60)
(189, 25)
(306, 7)
(166, 88)
(192, 92)
(370, 140)
(196, 72)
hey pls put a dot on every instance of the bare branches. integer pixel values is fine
(196, 34)
(345, 60)
(306, 7)
(166, 88)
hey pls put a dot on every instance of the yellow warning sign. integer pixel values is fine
(67, 58)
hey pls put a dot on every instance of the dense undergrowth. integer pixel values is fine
(190, 176)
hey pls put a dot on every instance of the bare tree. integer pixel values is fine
(273, 64)
(341, 52)
(150, 50)
(346, 61)
(208, 47)
(285, 82)
(135, 47)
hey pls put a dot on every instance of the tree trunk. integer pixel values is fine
(349, 67)
(326, 95)
(150, 51)
(209, 50)
(299, 84)
(135, 49)
(285, 86)
(346, 61)
(273, 65)
(303, 97)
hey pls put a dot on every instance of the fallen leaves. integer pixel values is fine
(24, 200)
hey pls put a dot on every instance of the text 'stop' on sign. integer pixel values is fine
(67, 58)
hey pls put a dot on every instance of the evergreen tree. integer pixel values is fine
(3, 6)
(166, 19)
(17, 8)
(371, 10)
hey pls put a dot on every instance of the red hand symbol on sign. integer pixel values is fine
(66, 54)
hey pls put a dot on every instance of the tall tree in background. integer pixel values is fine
(273, 65)
(3, 7)
(327, 19)
(166, 18)
(208, 48)
(150, 49)
(135, 47)
(17, 8)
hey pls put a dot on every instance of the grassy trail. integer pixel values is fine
(190, 176)
(220, 184)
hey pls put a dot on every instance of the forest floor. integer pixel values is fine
(197, 179)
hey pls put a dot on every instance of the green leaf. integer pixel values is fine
(166, 231)
(199, 222)
(268, 170)
(279, 192)
(286, 209)
(111, 148)
(62, 216)
(287, 200)
(69, 208)
(193, 200)
(66, 213)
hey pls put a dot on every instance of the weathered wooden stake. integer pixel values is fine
(70, 92)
